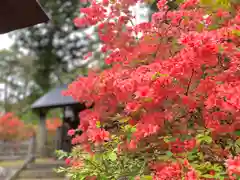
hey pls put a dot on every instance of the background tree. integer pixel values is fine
(16, 80)
(58, 47)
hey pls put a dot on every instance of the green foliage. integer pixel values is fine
(205, 167)
(237, 132)
(105, 165)
(61, 154)
(204, 138)
(216, 4)
(236, 32)
(30, 117)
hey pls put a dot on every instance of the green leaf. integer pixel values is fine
(185, 137)
(206, 2)
(123, 120)
(216, 4)
(112, 156)
(204, 138)
(207, 139)
(200, 27)
(146, 178)
(168, 139)
(98, 124)
(169, 153)
(179, 1)
(213, 26)
(207, 176)
(223, 4)
(103, 178)
(61, 154)
(158, 74)
(82, 178)
(192, 155)
(133, 129)
(60, 170)
(236, 32)
(217, 168)
(163, 158)
(237, 143)
(149, 1)
(237, 132)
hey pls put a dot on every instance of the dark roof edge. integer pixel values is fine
(53, 106)
(44, 12)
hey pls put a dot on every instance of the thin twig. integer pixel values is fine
(189, 83)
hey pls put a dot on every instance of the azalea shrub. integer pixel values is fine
(168, 105)
(52, 124)
(13, 129)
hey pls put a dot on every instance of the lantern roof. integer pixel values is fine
(54, 99)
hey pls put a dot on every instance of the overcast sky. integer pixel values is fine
(5, 41)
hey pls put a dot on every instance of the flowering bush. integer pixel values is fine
(13, 129)
(53, 123)
(168, 106)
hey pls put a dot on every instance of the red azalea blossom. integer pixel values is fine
(71, 132)
(91, 178)
(191, 175)
(53, 123)
(233, 165)
(165, 172)
(77, 164)
(161, 4)
(132, 145)
(68, 161)
(13, 129)
(137, 178)
(98, 136)
(179, 146)
(132, 106)
(212, 172)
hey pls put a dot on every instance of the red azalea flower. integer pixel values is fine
(71, 132)
(68, 161)
(98, 136)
